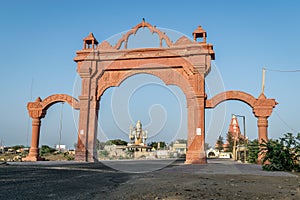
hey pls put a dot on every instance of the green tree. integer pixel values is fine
(230, 141)
(45, 149)
(155, 145)
(220, 143)
(16, 147)
(116, 142)
(253, 150)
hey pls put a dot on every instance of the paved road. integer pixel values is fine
(226, 166)
(73, 180)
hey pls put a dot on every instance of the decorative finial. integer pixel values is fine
(38, 99)
(143, 19)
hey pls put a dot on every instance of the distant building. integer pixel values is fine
(61, 147)
(234, 129)
(179, 147)
(214, 153)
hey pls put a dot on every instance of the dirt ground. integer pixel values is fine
(215, 180)
(196, 186)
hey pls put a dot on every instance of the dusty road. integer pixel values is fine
(219, 179)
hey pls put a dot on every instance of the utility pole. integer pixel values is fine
(244, 127)
(60, 125)
(263, 80)
(234, 148)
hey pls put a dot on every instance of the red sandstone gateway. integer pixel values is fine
(184, 63)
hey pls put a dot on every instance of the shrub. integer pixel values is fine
(282, 154)
(46, 150)
(253, 150)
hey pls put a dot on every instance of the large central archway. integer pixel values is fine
(184, 63)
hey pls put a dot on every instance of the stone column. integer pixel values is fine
(196, 152)
(92, 155)
(34, 148)
(36, 112)
(191, 121)
(262, 124)
(81, 152)
(201, 125)
(262, 109)
(87, 117)
(84, 102)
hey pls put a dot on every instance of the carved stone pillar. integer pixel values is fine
(191, 121)
(34, 148)
(36, 112)
(84, 102)
(81, 150)
(92, 155)
(196, 152)
(262, 124)
(262, 110)
(87, 117)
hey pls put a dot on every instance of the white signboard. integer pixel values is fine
(81, 132)
(198, 131)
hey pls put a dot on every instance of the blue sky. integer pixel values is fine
(39, 40)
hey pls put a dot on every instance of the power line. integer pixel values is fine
(285, 71)
(287, 125)
(60, 125)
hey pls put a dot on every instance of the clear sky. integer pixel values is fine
(39, 40)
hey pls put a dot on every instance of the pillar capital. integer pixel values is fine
(263, 107)
(35, 109)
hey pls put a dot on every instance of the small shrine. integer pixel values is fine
(138, 137)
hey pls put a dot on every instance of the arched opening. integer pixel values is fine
(161, 108)
(59, 127)
(211, 154)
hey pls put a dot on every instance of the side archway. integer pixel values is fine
(231, 95)
(262, 108)
(37, 110)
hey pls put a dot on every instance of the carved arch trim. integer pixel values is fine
(55, 98)
(168, 76)
(231, 95)
(143, 24)
(38, 108)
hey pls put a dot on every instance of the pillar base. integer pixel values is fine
(33, 159)
(85, 156)
(194, 157)
(80, 155)
(92, 158)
